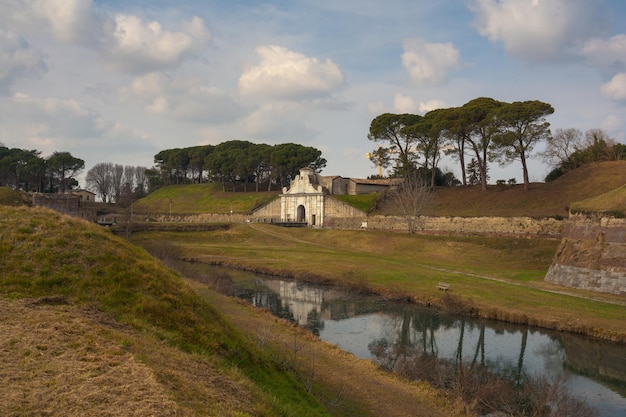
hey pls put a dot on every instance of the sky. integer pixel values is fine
(120, 80)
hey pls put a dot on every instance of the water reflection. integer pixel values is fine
(595, 372)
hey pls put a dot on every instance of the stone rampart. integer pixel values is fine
(483, 226)
(592, 255)
(270, 210)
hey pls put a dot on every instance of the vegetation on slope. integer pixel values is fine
(9, 197)
(363, 202)
(613, 202)
(58, 260)
(552, 199)
(200, 198)
(91, 322)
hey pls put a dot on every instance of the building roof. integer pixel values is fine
(382, 181)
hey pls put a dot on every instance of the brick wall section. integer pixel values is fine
(592, 255)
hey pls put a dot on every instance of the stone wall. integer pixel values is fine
(484, 226)
(592, 255)
(270, 210)
(62, 203)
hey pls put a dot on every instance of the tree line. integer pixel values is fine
(27, 170)
(234, 162)
(484, 129)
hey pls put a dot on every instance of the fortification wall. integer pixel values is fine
(592, 255)
(484, 226)
(269, 211)
(338, 209)
(62, 203)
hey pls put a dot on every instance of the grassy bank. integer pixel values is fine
(91, 322)
(65, 261)
(491, 277)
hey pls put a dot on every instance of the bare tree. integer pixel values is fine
(129, 176)
(141, 181)
(118, 181)
(411, 195)
(561, 145)
(100, 180)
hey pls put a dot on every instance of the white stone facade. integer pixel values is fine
(304, 200)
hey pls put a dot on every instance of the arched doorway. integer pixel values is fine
(301, 215)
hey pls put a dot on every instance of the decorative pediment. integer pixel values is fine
(307, 182)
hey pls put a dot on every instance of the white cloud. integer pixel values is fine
(61, 118)
(17, 60)
(425, 107)
(284, 74)
(612, 123)
(376, 108)
(404, 104)
(616, 88)
(536, 30)
(189, 100)
(71, 21)
(606, 53)
(429, 63)
(136, 46)
(275, 123)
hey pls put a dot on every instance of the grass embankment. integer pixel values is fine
(91, 324)
(613, 203)
(542, 200)
(497, 278)
(9, 197)
(201, 198)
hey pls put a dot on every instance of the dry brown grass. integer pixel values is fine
(542, 200)
(58, 361)
(61, 360)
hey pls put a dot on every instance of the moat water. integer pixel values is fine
(593, 371)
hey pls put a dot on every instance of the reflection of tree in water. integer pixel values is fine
(485, 386)
(314, 323)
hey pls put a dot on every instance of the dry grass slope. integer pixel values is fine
(542, 200)
(150, 327)
(92, 325)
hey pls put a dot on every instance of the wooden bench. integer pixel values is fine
(444, 286)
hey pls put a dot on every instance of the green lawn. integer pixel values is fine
(500, 277)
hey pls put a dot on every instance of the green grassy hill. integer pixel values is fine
(81, 289)
(201, 198)
(613, 202)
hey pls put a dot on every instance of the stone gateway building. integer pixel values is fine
(304, 201)
(309, 201)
